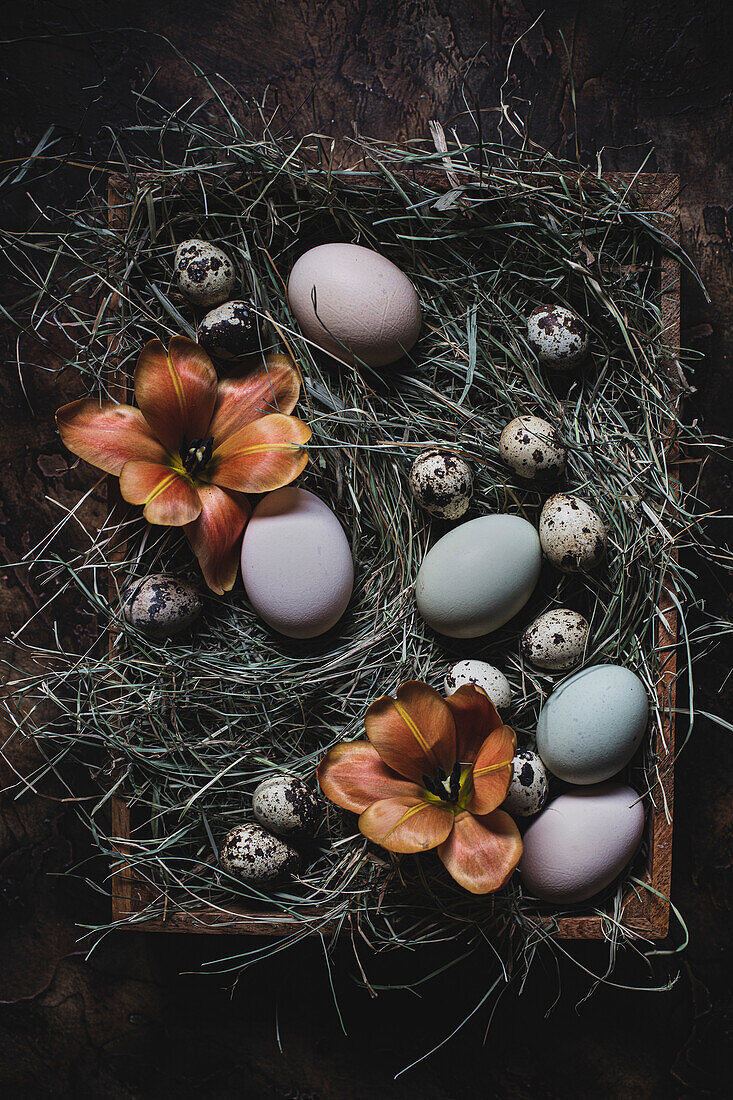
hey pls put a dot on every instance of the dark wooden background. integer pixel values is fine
(131, 1022)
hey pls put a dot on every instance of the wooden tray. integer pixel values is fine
(645, 912)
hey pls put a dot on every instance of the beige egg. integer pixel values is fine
(558, 336)
(355, 304)
(442, 483)
(556, 640)
(572, 534)
(253, 854)
(230, 331)
(528, 788)
(532, 447)
(204, 273)
(485, 676)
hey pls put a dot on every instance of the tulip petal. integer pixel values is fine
(216, 536)
(107, 435)
(406, 824)
(481, 852)
(492, 771)
(353, 775)
(475, 717)
(176, 391)
(168, 498)
(262, 456)
(415, 733)
(271, 386)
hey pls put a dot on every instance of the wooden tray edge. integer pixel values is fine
(645, 913)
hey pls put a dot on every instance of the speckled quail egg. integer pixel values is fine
(528, 788)
(441, 483)
(556, 640)
(251, 853)
(161, 605)
(286, 805)
(532, 447)
(485, 676)
(572, 534)
(205, 274)
(229, 331)
(558, 336)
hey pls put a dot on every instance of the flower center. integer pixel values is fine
(445, 787)
(196, 454)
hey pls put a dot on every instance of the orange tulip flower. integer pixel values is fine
(195, 446)
(432, 775)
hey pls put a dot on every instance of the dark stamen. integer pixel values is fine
(196, 454)
(430, 786)
(444, 787)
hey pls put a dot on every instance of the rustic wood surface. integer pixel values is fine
(133, 1021)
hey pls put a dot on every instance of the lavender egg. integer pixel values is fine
(296, 563)
(581, 842)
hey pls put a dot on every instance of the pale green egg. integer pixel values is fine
(478, 576)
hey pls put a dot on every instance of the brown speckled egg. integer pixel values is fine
(441, 483)
(230, 331)
(532, 447)
(556, 640)
(558, 337)
(161, 605)
(205, 275)
(251, 853)
(528, 789)
(286, 805)
(572, 534)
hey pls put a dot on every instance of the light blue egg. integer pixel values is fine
(479, 576)
(593, 723)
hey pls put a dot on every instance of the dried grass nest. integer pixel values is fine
(193, 725)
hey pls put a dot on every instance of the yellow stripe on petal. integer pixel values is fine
(478, 772)
(159, 489)
(176, 391)
(262, 456)
(492, 772)
(415, 733)
(405, 817)
(406, 824)
(168, 498)
(264, 448)
(177, 387)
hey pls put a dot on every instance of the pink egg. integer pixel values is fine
(355, 304)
